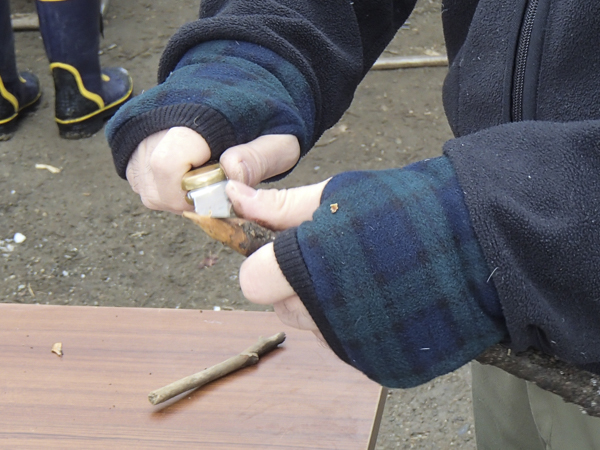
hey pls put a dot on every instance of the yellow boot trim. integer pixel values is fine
(87, 94)
(11, 99)
(102, 109)
(37, 97)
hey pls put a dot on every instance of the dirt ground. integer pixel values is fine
(89, 240)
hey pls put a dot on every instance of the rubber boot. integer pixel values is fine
(19, 92)
(86, 95)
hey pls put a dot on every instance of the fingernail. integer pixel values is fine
(236, 169)
(240, 189)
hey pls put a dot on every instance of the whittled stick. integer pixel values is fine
(248, 357)
(241, 235)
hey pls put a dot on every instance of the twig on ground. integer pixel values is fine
(248, 357)
(406, 62)
(25, 22)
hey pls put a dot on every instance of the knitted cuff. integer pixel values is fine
(206, 121)
(289, 258)
(398, 277)
(230, 92)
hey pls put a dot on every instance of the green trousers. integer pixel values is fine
(512, 414)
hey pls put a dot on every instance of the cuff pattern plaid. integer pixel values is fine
(399, 285)
(229, 92)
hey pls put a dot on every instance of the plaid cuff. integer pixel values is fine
(400, 287)
(229, 92)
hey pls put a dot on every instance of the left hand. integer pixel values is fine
(261, 279)
(160, 161)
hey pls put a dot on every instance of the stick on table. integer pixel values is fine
(248, 357)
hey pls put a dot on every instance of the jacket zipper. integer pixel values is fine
(521, 60)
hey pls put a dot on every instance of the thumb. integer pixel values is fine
(261, 279)
(275, 209)
(262, 158)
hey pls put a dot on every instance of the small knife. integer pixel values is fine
(206, 191)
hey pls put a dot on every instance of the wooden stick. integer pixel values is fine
(574, 385)
(242, 235)
(406, 62)
(248, 357)
(25, 22)
(31, 22)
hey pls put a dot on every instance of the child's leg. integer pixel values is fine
(86, 95)
(18, 91)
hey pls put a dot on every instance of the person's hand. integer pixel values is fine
(261, 279)
(160, 161)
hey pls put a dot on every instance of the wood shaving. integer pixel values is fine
(48, 167)
(57, 349)
(208, 261)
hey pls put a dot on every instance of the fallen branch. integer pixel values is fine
(25, 22)
(406, 62)
(248, 357)
(30, 21)
(574, 385)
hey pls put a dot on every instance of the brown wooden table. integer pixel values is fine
(95, 396)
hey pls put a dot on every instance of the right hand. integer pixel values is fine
(160, 161)
(261, 279)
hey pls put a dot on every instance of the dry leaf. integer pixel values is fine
(57, 349)
(333, 208)
(48, 167)
(208, 261)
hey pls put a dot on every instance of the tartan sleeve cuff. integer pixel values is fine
(394, 276)
(230, 92)
(289, 257)
(206, 121)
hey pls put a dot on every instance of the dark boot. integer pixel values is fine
(19, 92)
(86, 95)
